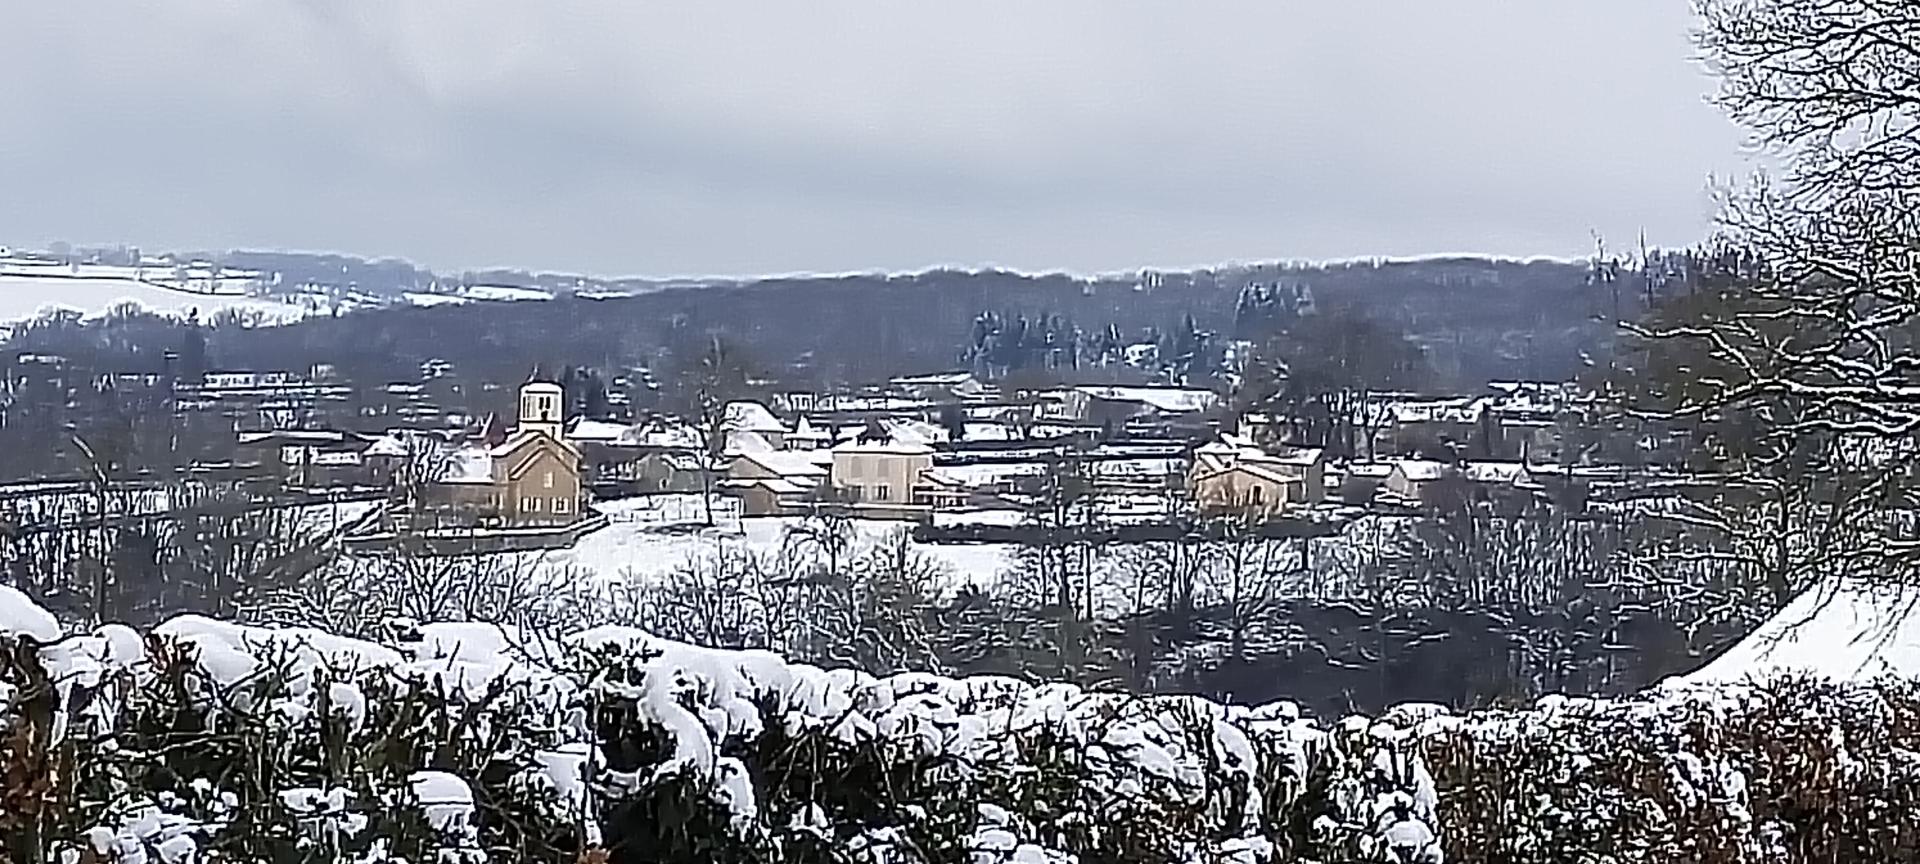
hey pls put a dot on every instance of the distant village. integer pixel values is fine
(957, 457)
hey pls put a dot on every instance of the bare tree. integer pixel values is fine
(426, 461)
(1792, 363)
(360, 594)
(707, 375)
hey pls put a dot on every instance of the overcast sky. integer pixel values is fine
(711, 137)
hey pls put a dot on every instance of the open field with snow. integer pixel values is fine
(649, 539)
(25, 296)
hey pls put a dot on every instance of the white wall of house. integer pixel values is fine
(878, 475)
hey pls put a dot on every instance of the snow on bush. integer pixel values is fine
(213, 740)
(1782, 769)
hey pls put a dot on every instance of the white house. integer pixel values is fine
(751, 417)
(1411, 478)
(879, 472)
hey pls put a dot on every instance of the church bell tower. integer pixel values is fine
(542, 408)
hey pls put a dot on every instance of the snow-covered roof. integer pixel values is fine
(295, 436)
(595, 430)
(915, 431)
(776, 485)
(342, 458)
(1420, 469)
(745, 416)
(940, 477)
(741, 441)
(1459, 410)
(1375, 470)
(1298, 456)
(676, 436)
(1135, 468)
(894, 447)
(976, 430)
(387, 445)
(1267, 472)
(806, 431)
(934, 379)
(790, 463)
(992, 473)
(1494, 472)
(1172, 400)
(469, 465)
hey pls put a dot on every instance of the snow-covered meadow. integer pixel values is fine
(32, 288)
(22, 298)
(647, 539)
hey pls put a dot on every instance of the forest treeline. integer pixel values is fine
(1475, 320)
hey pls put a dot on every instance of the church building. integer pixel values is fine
(531, 478)
(536, 472)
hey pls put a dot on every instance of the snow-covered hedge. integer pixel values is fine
(210, 740)
(1786, 769)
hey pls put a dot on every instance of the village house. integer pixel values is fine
(1115, 406)
(1506, 483)
(808, 436)
(743, 424)
(775, 482)
(1412, 481)
(655, 457)
(1232, 475)
(869, 471)
(305, 458)
(1357, 483)
(940, 387)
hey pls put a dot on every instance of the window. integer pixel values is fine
(882, 493)
(549, 480)
(1259, 496)
(559, 505)
(530, 504)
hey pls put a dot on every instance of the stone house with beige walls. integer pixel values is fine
(867, 471)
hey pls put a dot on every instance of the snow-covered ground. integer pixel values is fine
(476, 293)
(648, 538)
(23, 297)
(1839, 630)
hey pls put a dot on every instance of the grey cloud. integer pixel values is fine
(745, 137)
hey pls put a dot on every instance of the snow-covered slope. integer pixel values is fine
(1839, 630)
(23, 297)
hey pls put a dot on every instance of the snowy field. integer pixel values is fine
(477, 293)
(23, 297)
(649, 538)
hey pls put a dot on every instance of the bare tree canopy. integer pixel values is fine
(1790, 364)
